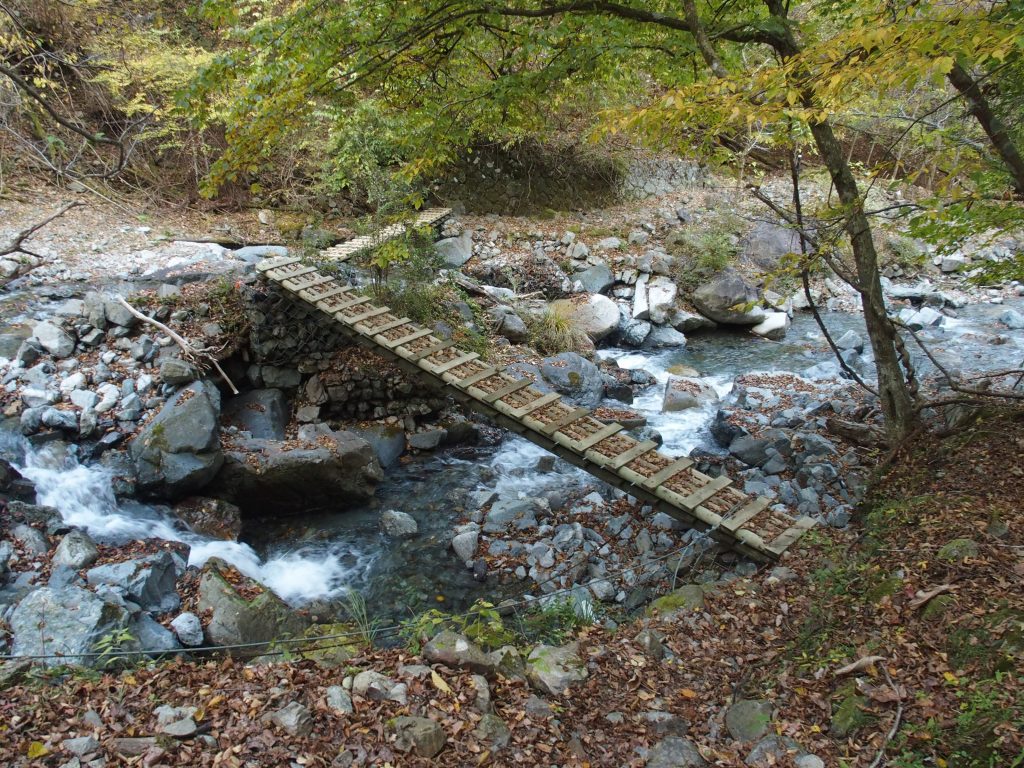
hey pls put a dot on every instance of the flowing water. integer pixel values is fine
(320, 557)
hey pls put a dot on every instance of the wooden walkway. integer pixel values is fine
(672, 485)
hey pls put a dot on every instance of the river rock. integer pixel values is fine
(456, 251)
(54, 339)
(175, 371)
(337, 469)
(458, 652)
(508, 324)
(294, 719)
(153, 637)
(766, 243)
(634, 332)
(263, 413)
(1012, 319)
(596, 279)
(748, 719)
(178, 452)
(189, 629)
(465, 545)
(419, 734)
(661, 337)
(718, 299)
(686, 322)
(683, 392)
(31, 539)
(774, 326)
(661, 299)
(553, 670)
(575, 377)
(851, 340)
(387, 441)
(118, 314)
(595, 315)
(67, 621)
(674, 752)
(76, 550)
(149, 581)
(492, 731)
(211, 517)
(399, 525)
(235, 619)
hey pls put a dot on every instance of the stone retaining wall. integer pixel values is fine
(296, 348)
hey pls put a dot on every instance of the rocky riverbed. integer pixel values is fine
(144, 491)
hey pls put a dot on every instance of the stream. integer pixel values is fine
(317, 558)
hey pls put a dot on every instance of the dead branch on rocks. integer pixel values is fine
(199, 356)
(17, 243)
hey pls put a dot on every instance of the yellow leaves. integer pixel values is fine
(439, 682)
(950, 678)
(944, 64)
(36, 750)
(688, 693)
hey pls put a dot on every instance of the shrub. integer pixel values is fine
(698, 256)
(553, 332)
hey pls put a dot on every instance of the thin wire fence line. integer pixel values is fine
(314, 643)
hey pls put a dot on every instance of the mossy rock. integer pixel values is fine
(885, 588)
(687, 598)
(330, 652)
(849, 715)
(937, 607)
(958, 550)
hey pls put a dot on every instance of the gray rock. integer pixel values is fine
(339, 700)
(387, 441)
(399, 525)
(748, 719)
(32, 539)
(428, 440)
(54, 339)
(508, 324)
(178, 452)
(263, 413)
(596, 279)
(373, 685)
(634, 332)
(81, 746)
(772, 751)
(766, 243)
(294, 719)
(58, 419)
(29, 352)
(235, 619)
(661, 337)
(189, 629)
(148, 581)
(493, 732)
(76, 550)
(117, 314)
(575, 377)
(465, 545)
(68, 621)
(719, 298)
(338, 469)
(251, 254)
(596, 315)
(683, 392)
(419, 734)
(181, 729)
(211, 517)
(553, 670)
(651, 642)
(458, 652)
(176, 371)
(456, 251)
(154, 638)
(275, 377)
(1012, 319)
(674, 752)
(850, 340)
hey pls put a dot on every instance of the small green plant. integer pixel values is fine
(355, 606)
(698, 256)
(554, 331)
(482, 624)
(557, 620)
(111, 644)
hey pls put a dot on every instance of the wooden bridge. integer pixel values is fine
(670, 484)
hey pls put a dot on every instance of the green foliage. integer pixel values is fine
(355, 606)
(553, 331)
(111, 643)
(556, 621)
(700, 255)
(482, 624)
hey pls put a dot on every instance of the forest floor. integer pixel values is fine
(894, 642)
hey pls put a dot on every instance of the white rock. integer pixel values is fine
(597, 316)
(774, 326)
(109, 395)
(54, 339)
(72, 382)
(661, 298)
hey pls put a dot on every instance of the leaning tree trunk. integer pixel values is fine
(893, 391)
(978, 106)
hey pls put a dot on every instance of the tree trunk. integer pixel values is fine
(990, 123)
(895, 396)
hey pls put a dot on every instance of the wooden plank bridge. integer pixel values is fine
(672, 485)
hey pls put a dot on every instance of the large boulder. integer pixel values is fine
(237, 619)
(575, 377)
(661, 299)
(263, 413)
(774, 326)
(211, 517)
(150, 582)
(663, 336)
(683, 392)
(596, 279)
(178, 452)
(333, 470)
(68, 622)
(724, 299)
(508, 324)
(54, 339)
(766, 243)
(594, 314)
(456, 251)
(76, 550)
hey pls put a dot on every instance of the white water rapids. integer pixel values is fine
(85, 498)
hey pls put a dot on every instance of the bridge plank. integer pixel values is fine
(475, 378)
(635, 452)
(664, 474)
(402, 340)
(602, 434)
(415, 357)
(706, 491)
(559, 424)
(454, 363)
(508, 389)
(533, 405)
